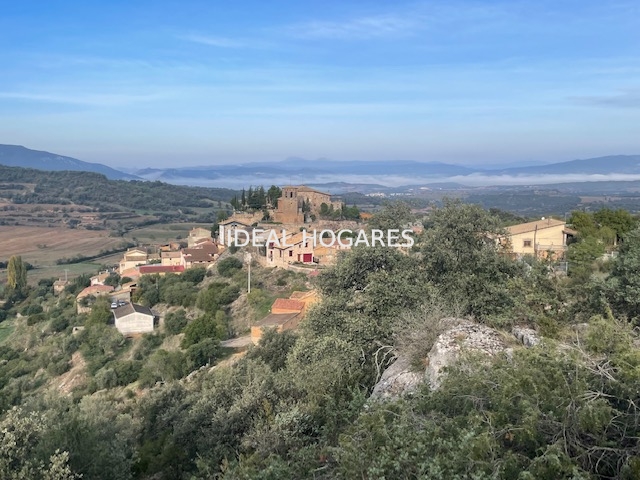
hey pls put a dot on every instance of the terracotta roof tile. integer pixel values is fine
(532, 226)
(288, 304)
(95, 290)
(150, 269)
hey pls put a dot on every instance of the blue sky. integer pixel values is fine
(140, 83)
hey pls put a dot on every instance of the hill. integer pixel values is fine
(19, 156)
(25, 185)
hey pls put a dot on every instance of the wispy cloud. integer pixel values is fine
(625, 99)
(90, 99)
(387, 25)
(213, 41)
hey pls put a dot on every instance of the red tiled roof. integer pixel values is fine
(197, 255)
(288, 304)
(95, 290)
(150, 269)
(133, 272)
(208, 247)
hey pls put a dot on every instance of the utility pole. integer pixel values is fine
(247, 259)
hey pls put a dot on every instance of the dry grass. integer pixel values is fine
(43, 246)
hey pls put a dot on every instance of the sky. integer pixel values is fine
(165, 83)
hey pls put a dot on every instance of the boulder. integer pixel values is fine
(397, 380)
(526, 336)
(462, 336)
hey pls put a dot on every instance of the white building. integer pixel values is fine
(131, 319)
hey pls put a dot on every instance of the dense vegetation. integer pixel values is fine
(96, 190)
(297, 405)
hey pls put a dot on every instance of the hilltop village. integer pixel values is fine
(305, 224)
(243, 359)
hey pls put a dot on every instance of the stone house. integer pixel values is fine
(169, 259)
(228, 228)
(294, 248)
(132, 258)
(203, 254)
(161, 269)
(85, 297)
(290, 204)
(198, 233)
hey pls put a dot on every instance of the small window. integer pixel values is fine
(526, 243)
(291, 253)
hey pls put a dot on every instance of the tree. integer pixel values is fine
(392, 216)
(174, 322)
(273, 194)
(624, 281)
(209, 325)
(16, 274)
(461, 256)
(22, 436)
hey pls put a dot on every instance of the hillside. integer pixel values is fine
(19, 156)
(21, 185)
(420, 364)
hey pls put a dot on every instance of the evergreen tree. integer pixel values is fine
(16, 274)
(624, 282)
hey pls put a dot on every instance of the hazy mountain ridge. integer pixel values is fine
(347, 176)
(19, 156)
(385, 174)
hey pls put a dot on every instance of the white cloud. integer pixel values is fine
(387, 25)
(214, 41)
(87, 99)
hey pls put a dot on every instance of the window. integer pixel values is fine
(291, 253)
(526, 243)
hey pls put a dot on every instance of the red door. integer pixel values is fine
(307, 257)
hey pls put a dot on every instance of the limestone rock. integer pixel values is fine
(527, 336)
(462, 337)
(397, 380)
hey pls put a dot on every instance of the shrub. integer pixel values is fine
(60, 323)
(175, 322)
(229, 266)
(37, 318)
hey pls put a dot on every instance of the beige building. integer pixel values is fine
(542, 238)
(132, 319)
(294, 248)
(203, 254)
(84, 300)
(132, 258)
(169, 259)
(290, 204)
(198, 233)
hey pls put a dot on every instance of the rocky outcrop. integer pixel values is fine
(526, 336)
(397, 380)
(459, 337)
(465, 336)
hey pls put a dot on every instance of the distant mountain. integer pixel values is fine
(348, 176)
(298, 170)
(620, 164)
(19, 156)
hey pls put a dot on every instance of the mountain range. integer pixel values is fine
(19, 156)
(346, 175)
